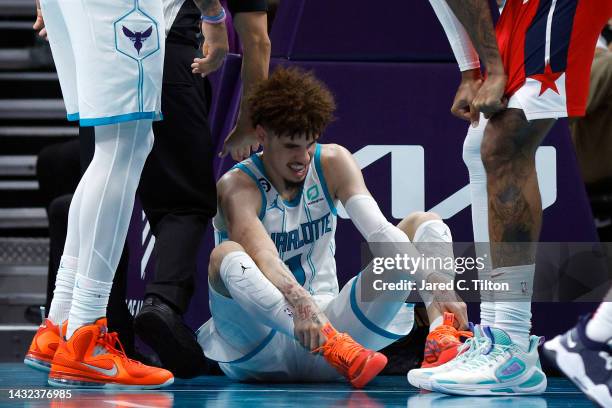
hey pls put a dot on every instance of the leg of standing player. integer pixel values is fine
(515, 216)
(514, 211)
(101, 208)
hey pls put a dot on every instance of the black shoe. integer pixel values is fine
(162, 329)
(584, 361)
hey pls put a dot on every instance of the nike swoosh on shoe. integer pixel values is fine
(111, 372)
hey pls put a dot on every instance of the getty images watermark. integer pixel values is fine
(411, 265)
(564, 271)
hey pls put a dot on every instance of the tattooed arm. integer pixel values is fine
(474, 95)
(208, 7)
(240, 201)
(215, 46)
(475, 17)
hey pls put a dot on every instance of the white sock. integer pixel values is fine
(62, 294)
(90, 298)
(434, 239)
(255, 293)
(599, 328)
(480, 214)
(513, 312)
(437, 322)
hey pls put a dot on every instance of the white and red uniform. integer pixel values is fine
(547, 48)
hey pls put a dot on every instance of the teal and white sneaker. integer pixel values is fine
(420, 377)
(502, 368)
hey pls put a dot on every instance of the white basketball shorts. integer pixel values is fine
(109, 57)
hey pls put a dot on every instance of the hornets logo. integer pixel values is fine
(138, 37)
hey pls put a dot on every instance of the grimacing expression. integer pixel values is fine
(289, 157)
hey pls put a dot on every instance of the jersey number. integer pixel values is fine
(295, 266)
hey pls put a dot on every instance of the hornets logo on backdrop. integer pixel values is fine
(302, 229)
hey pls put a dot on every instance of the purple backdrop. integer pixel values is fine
(392, 115)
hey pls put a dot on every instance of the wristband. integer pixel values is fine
(218, 19)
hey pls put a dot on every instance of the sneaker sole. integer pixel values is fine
(573, 367)
(370, 370)
(508, 388)
(171, 342)
(424, 382)
(419, 381)
(67, 383)
(36, 364)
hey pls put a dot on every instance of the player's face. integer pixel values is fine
(289, 157)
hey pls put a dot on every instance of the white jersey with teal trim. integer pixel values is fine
(302, 229)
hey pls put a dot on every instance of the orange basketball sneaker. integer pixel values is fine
(43, 346)
(358, 364)
(89, 359)
(442, 343)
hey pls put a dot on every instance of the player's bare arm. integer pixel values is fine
(240, 201)
(475, 17)
(215, 46)
(252, 28)
(345, 180)
(342, 173)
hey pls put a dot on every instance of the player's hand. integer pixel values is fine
(39, 24)
(308, 321)
(490, 98)
(240, 142)
(471, 81)
(448, 300)
(214, 49)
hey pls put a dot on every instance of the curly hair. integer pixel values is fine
(292, 102)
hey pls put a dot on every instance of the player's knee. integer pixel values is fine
(510, 143)
(499, 153)
(411, 223)
(216, 258)
(471, 146)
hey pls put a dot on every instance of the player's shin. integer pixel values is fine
(255, 293)
(480, 214)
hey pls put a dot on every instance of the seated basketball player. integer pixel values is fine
(277, 313)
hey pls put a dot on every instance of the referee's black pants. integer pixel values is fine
(177, 187)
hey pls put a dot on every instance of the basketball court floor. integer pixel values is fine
(219, 391)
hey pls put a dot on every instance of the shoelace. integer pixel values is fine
(445, 330)
(472, 346)
(341, 348)
(485, 359)
(109, 341)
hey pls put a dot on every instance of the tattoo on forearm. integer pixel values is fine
(304, 311)
(289, 287)
(208, 7)
(475, 17)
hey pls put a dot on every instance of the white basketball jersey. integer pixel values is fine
(302, 229)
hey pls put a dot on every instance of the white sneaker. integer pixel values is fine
(502, 368)
(420, 377)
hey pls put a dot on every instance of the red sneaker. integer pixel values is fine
(43, 346)
(358, 364)
(442, 343)
(89, 359)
